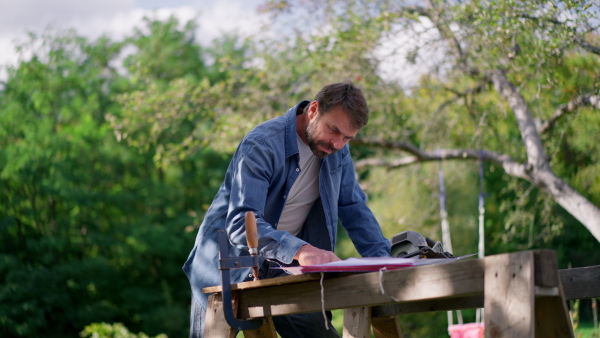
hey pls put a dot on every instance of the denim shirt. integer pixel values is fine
(258, 179)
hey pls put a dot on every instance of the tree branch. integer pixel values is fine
(416, 10)
(509, 165)
(537, 169)
(579, 40)
(447, 34)
(588, 46)
(569, 107)
(536, 156)
(469, 91)
(531, 17)
(434, 14)
(383, 144)
(577, 205)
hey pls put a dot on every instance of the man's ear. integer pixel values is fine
(313, 109)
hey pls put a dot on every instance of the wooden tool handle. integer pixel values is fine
(251, 233)
(252, 238)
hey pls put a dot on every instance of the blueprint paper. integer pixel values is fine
(367, 264)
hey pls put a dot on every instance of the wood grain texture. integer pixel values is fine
(357, 322)
(216, 325)
(386, 327)
(509, 295)
(412, 284)
(581, 282)
(265, 331)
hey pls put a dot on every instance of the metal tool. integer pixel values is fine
(409, 244)
(227, 263)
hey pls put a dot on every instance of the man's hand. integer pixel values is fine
(310, 255)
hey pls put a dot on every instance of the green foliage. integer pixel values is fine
(536, 44)
(116, 330)
(164, 52)
(106, 177)
(587, 331)
(450, 109)
(90, 229)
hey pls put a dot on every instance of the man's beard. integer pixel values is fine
(314, 144)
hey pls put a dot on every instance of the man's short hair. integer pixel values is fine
(349, 97)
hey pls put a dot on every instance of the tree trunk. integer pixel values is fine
(537, 170)
(577, 205)
(538, 166)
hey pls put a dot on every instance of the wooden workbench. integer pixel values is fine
(522, 295)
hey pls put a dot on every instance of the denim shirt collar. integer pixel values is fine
(291, 143)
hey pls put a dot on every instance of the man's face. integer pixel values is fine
(328, 133)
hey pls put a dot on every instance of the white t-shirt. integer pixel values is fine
(303, 193)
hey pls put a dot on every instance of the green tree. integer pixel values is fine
(164, 51)
(90, 229)
(496, 57)
(512, 82)
(51, 133)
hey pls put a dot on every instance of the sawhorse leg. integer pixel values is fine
(358, 323)
(216, 326)
(265, 331)
(517, 304)
(386, 327)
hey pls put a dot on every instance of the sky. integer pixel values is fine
(117, 18)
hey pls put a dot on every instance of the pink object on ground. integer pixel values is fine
(470, 330)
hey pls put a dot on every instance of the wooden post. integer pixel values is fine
(552, 318)
(551, 314)
(265, 331)
(216, 326)
(357, 322)
(509, 295)
(386, 327)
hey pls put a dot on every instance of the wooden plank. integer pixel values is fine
(577, 283)
(412, 289)
(386, 327)
(216, 324)
(509, 295)
(546, 269)
(265, 331)
(552, 317)
(268, 282)
(581, 283)
(445, 304)
(425, 282)
(357, 322)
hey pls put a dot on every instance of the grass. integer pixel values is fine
(586, 330)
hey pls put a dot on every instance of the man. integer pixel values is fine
(295, 173)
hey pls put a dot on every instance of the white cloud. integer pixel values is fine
(17, 16)
(228, 16)
(117, 18)
(395, 50)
